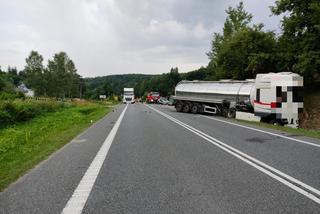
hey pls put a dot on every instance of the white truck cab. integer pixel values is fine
(279, 94)
(128, 95)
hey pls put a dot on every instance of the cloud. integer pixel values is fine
(118, 36)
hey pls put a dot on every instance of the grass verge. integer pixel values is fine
(299, 131)
(24, 145)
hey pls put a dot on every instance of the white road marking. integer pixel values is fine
(266, 132)
(80, 195)
(304, 189)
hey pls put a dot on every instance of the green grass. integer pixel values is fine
(24, 145)
(299, 131)
(18, 110)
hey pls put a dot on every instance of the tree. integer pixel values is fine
(13, 76)
(34, 73)
(2, 80)
(237, 20)
(249, 52)
(63, 80)
(107, 89)
(300, 42)
(243, 50)
(199, 74)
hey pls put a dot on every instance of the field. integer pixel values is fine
(24, 143)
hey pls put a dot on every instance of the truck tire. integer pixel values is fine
(231, 113)
(179, 106)
(186, 107)
(195, 108)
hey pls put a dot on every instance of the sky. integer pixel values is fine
(105, 37)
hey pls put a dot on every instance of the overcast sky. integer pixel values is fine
(106, 37)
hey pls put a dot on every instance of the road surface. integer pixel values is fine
(152, 159)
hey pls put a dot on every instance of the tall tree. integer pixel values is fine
(237, 20)
(300, 41)
(13, 75)
(63, 80)
(243, 50)
(2, 80)
(249, 52)
(34, 73)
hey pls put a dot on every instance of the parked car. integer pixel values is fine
(171, 101)
(163, 101)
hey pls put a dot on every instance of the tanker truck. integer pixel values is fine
(274, 97)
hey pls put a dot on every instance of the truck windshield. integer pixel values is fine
(155, 94)
(129, 93)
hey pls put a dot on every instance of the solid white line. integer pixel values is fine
(80, 195)
(289, 181)
(266, 132)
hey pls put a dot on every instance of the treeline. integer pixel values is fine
(112, 84)
(244, 49)
(142, 83)
(58, 79)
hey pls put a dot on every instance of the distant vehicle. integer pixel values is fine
(153, 97)
(163, 101)
(275, 97)
(128, 95)
(171, 101)
(27, 92)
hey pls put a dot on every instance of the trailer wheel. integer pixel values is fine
(186, 107)
(231, 113)
(179, 106)
(195, 108)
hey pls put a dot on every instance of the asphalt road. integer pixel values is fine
(161, 161)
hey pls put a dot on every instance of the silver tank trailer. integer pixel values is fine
(215, 92)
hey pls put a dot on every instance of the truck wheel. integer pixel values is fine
(231, 113)
(186, 107)
(195, 108)
(179, 106)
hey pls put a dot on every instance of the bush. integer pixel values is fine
(13, 111)
(11, 96)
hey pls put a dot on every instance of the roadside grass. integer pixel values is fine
(298, 131)
(25, 144)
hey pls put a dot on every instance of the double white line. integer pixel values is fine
(287, 180)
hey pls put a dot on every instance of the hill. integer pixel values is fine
(112, 84)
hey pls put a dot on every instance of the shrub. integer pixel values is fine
(13, 111)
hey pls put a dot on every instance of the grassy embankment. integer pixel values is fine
(299, 131)
(32, 130)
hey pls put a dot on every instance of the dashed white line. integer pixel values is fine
(302, 188)
(266, 132)
(80, 195)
